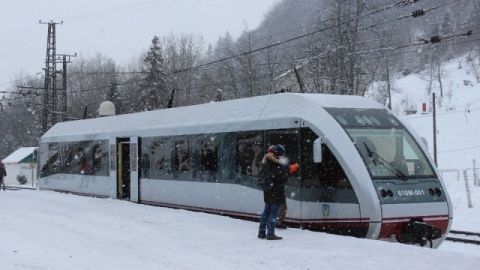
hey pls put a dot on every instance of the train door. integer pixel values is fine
(327, 194)
(123, 168)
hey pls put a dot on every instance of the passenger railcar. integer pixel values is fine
(362, 171)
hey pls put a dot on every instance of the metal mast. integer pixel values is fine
(50, 96)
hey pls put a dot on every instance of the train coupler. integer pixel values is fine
(418, 232)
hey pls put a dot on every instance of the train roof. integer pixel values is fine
(233, 111)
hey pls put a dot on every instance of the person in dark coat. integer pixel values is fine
(275, 177)
(3, 173)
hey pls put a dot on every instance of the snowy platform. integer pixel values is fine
(48, 230)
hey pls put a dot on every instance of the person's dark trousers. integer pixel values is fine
(282, 213)
(268, 219)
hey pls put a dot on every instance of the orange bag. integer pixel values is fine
(293, 168)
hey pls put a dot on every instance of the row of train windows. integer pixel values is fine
(85, 158)
(224, 157)
(236, 158)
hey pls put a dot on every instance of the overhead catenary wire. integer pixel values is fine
(459, 149)
(120, 10)
(277, 44)
(301, 37)
(293, 38)
(136, 80)
(382, 9)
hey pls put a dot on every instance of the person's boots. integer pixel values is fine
(274, 237)
(262, 235)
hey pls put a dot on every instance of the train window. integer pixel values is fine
(153, 163)
(325, 181)
(290, 138)
(227, 156)
(181, 161)
(204, 160)
(85, 157)
(250, 150)
(69, 161)
(75, 159)
(390, 153)
(209, 157)
(50, 159)
(99, 157)
(83, 162)
(349, 118)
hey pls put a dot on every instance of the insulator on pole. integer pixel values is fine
(435, 39)
(418, 13)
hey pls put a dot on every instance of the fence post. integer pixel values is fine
(467, 190)
(475, 180)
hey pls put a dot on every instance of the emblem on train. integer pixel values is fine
(325, 210)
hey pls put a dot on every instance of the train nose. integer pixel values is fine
(418, 232)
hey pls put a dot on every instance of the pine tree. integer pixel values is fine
(155, 82)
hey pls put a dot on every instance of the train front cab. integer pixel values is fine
(414, 205)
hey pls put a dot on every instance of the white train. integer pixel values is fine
(362, 171)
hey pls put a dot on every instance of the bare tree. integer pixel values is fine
(226, 73)
(182, 54)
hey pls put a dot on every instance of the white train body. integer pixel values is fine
(205, 158)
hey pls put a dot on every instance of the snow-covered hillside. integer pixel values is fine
(458, 111)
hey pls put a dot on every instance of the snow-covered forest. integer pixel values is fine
(348, 47)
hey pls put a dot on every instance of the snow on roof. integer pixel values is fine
(19, 155)
(232, 111)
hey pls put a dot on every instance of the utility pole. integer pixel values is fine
(434, 129)
(64, 59)
(388, 84)
(50, 94)
(301, 85)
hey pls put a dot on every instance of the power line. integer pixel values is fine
(444, 113)
(459, 149)
(257, 64)
(19, 41)
(292, 39)
(380, 8)
(283, 42)
(304, 36)
(121, 10)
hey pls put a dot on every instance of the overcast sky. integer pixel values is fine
(121, 29)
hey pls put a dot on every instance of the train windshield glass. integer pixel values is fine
(388, 149)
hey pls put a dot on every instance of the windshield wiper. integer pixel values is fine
(376, 158)
(370, 154)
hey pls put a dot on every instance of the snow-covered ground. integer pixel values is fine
(48, 230)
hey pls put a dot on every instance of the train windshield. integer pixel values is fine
(388, 149)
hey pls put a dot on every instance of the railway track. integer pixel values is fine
(467, 237)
